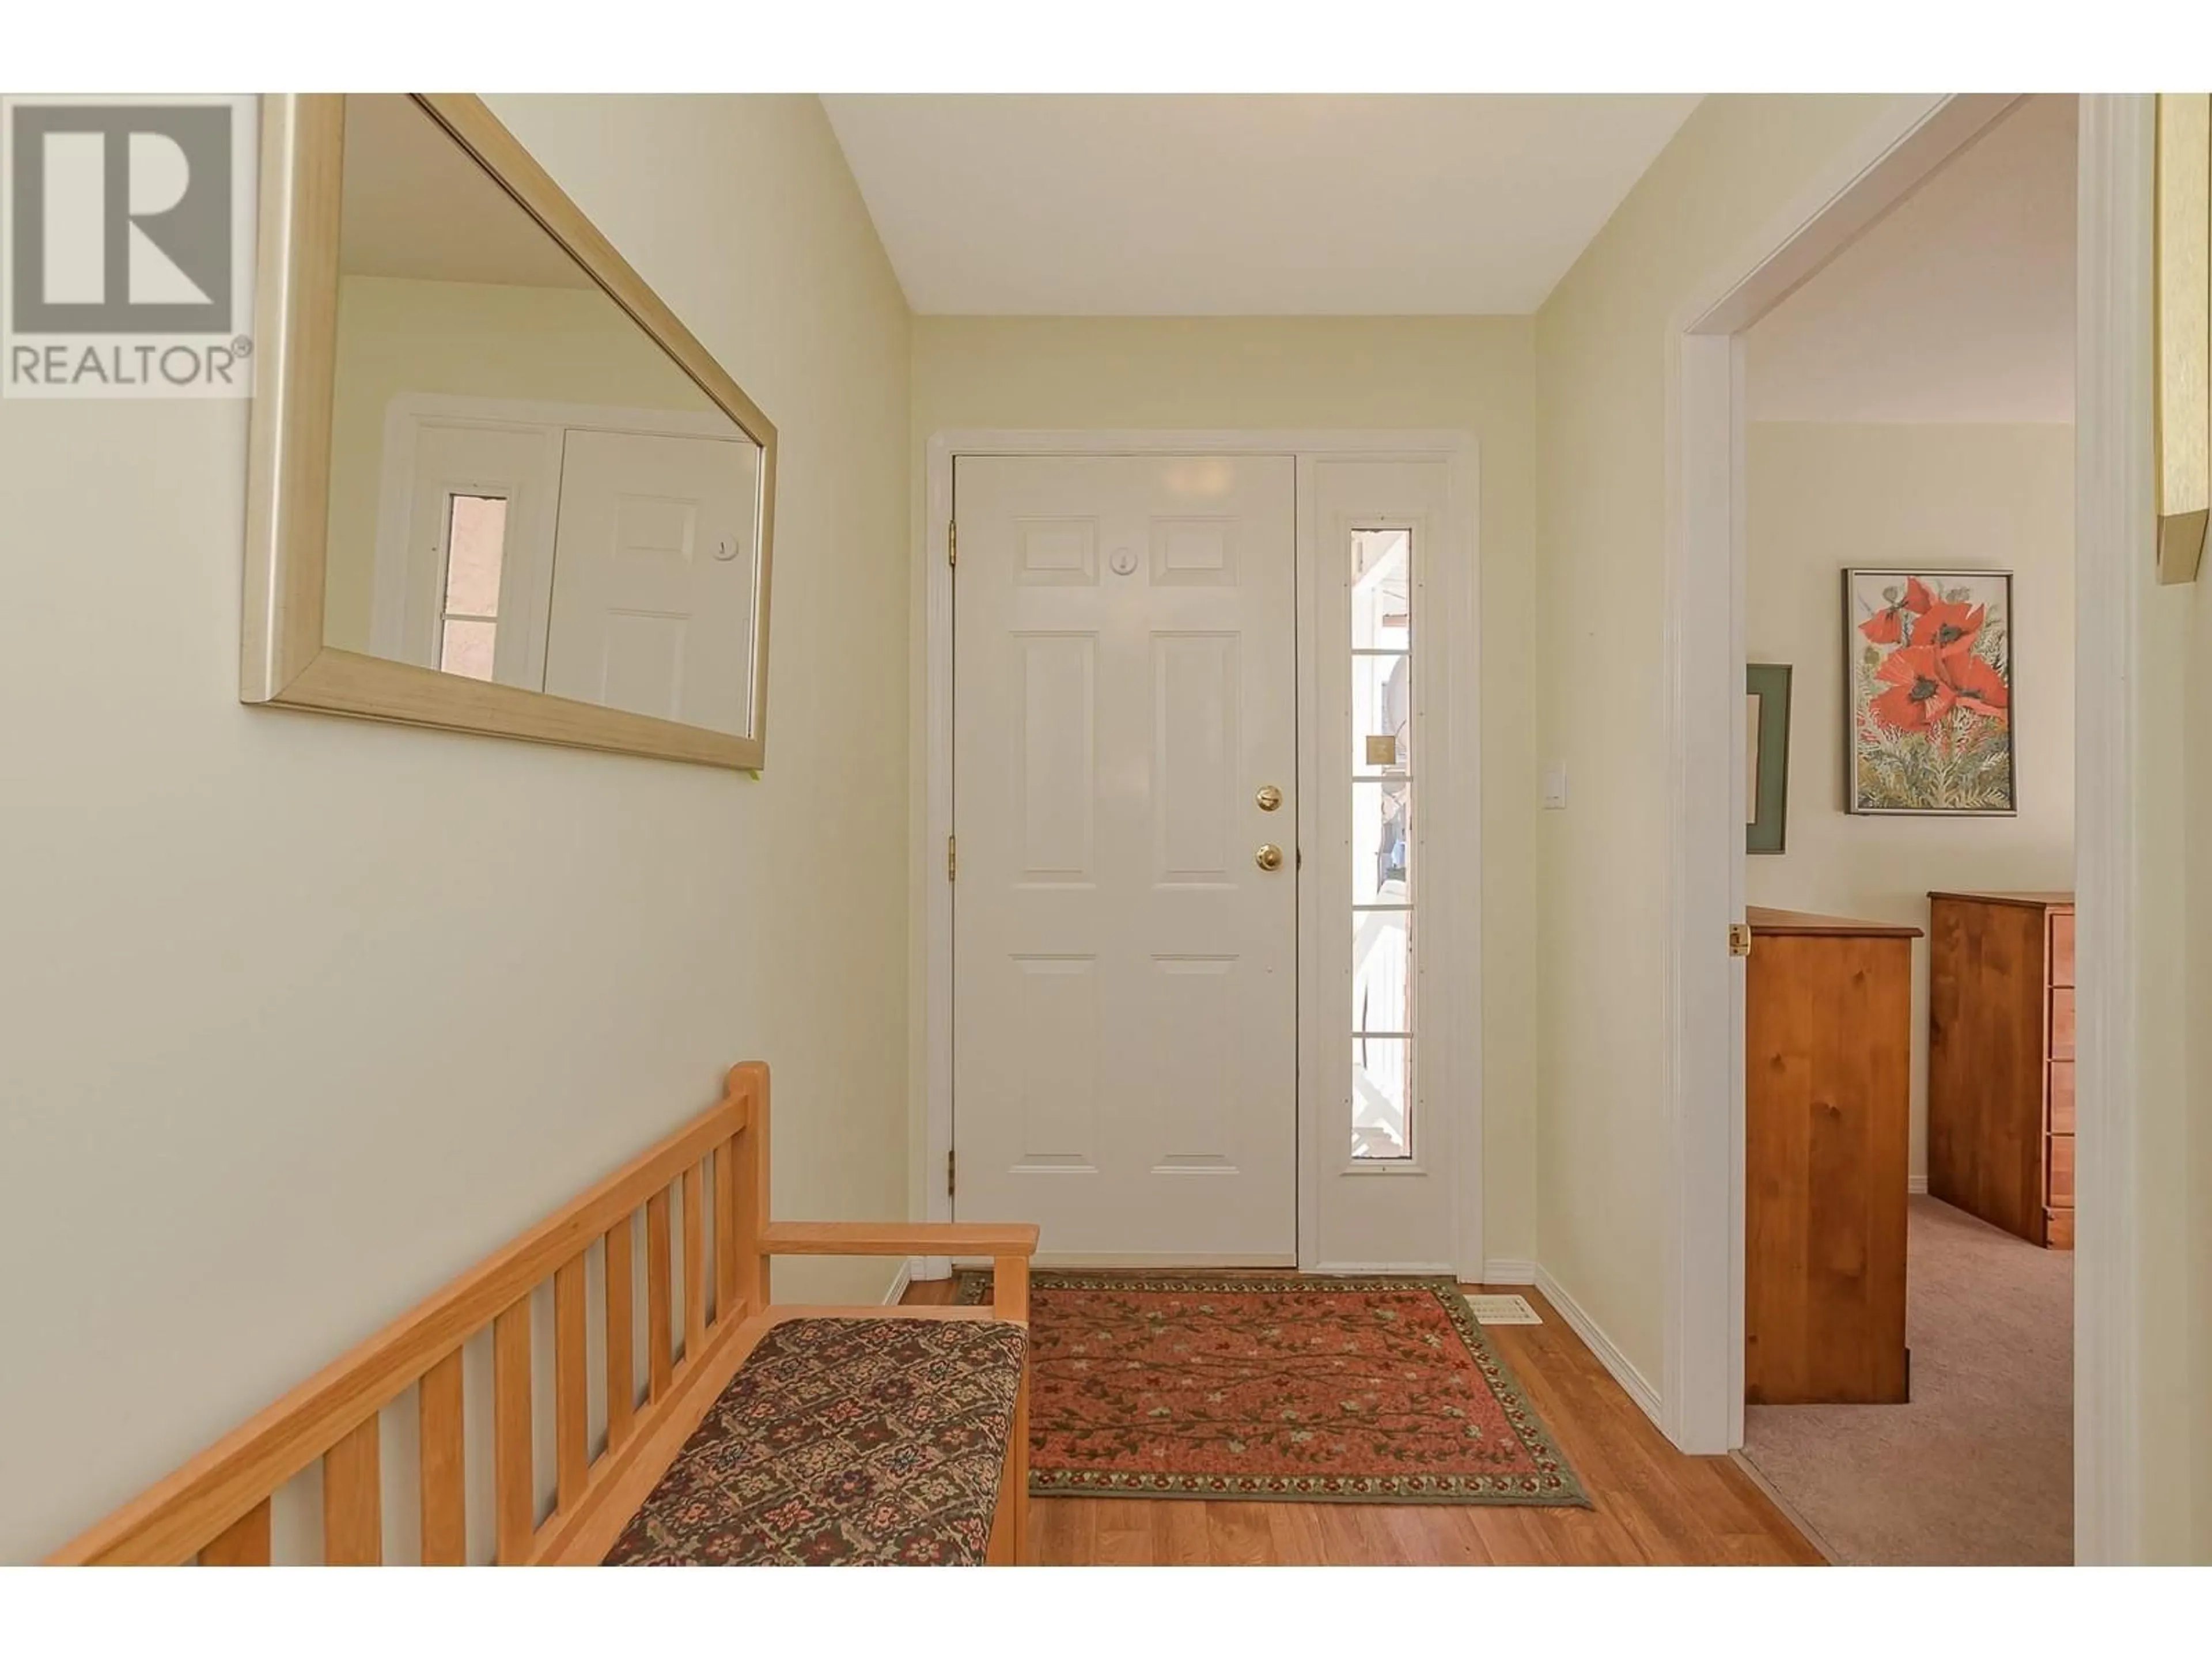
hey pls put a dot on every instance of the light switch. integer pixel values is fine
(1555, 786)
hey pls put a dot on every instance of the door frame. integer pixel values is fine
(1702, 1269)
(1451, 929)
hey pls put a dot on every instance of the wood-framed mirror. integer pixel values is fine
(495, 485)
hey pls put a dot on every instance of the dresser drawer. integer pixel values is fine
(2062, 1023)
(2062, 1097)
(2062, 947)
(2061, 1173)
(2059, 1229)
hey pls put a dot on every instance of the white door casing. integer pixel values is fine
(1125, 1041)
(656, 546)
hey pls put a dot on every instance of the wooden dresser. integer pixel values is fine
(1827, 1105)
(2001, 1060)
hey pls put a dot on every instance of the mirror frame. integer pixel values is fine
(284, 662)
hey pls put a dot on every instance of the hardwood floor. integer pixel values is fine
(1654, 1504)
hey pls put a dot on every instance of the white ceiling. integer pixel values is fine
(1958, 306)
(1245, 205)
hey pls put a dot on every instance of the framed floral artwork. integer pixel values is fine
(1928, 682)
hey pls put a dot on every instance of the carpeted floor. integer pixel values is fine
(1219, 1385)
(1978, 1468)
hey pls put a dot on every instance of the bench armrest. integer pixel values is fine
(1009, 1245)
(898, 1239)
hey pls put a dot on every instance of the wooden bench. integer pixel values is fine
(217, 1508)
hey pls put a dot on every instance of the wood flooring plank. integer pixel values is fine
(1122, 1533)
(1237, 1533)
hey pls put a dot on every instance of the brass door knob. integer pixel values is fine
(1269, 798)
(1269, 857)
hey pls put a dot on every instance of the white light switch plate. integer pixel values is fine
(1555, 786)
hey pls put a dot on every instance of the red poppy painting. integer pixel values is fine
(1928, 674)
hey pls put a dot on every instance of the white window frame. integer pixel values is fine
(1417, 562)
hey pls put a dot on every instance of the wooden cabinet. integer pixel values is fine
(1827, 1104)
(2001, 1060)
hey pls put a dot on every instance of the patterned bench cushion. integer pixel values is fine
(843, 1441)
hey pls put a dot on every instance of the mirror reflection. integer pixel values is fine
(525, 487)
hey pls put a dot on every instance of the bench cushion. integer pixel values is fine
(859, 1441)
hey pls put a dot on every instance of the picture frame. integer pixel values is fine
(1766, 744)
(1929, 674)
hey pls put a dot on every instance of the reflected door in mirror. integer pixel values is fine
(652, 588)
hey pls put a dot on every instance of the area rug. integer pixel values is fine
(1304, 1388)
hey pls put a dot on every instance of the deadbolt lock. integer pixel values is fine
(1269, 798)
(1269, 857)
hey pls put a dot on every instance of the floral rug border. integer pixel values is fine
(1559, 1487)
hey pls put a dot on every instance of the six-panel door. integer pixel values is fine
(1125, 964)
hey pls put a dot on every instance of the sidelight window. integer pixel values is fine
(1382, 844)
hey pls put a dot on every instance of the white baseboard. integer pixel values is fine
(900, 1280)
(1917, 1184)
(1509, 1271)
(1632, 1382)
(930, 1267)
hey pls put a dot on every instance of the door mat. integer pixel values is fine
(1313, 1390)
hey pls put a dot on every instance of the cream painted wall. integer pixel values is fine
(300, 1015)
(474, 339)
(1471, 374)
(1600, 554)
(1823, 497)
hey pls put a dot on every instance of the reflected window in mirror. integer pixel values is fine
(475, 540)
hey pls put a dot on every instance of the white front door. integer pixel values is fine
(1125, 1033)
(654, 551)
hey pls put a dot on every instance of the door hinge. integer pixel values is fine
(948, 1174)
(1739, 938)
(952, 858)
(951, 542)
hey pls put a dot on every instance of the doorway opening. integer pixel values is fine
(1908, 610)
(1703, 1270)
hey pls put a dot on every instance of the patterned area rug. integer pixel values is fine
(1314, 1389)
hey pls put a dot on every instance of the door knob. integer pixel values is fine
(1269, 798)
(1269, 857)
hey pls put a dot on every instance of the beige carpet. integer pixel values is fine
(1978, 1469)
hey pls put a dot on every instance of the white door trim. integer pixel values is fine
(1701, 1383)
(1454, 934)
(2115, 534)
